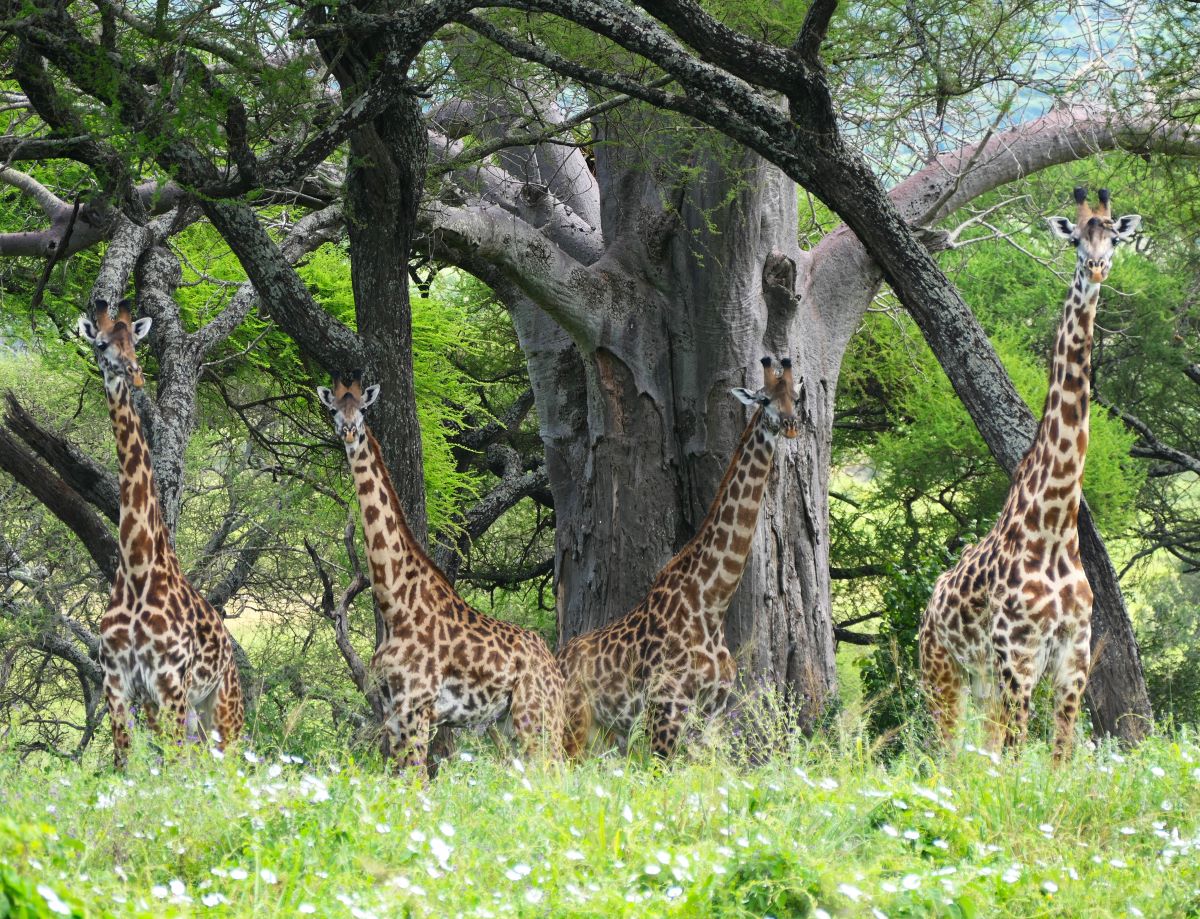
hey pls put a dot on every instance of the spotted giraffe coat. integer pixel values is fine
(162, 645)
(1018, 605)
(667, 656)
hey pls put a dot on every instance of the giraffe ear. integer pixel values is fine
(87, 329)
(370, 394)
(325, 394)
(749, 398)
(1062, 228)
(141, 328)
(1126, 226)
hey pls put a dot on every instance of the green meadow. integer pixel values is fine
(818, 830)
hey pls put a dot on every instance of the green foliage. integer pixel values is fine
(1169, 639)
(891, 674)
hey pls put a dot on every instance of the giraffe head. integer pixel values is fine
(776, 399)
(346, 402)
(114, 341)
(1094, 234)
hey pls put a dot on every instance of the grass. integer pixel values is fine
(819, 832)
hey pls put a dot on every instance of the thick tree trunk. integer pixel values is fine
(383, 193)
(640, 430)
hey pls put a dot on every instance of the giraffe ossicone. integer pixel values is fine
(440, 661)
(667, 656)
(1018, 605)
(161, 643)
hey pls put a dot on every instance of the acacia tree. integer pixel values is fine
(635, 313)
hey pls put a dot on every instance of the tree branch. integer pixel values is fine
(62, 500)
(79, 471)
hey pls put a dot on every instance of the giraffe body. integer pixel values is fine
(1018, 605)
(162, 645)
(440, 660)
(667, 656)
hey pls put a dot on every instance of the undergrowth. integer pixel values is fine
(826, 829)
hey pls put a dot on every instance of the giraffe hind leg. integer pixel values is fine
(537, 715)
(943, 684)
(229, 714)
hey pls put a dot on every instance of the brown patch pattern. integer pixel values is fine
(667, 656)
(1018, 605)
(162, 645)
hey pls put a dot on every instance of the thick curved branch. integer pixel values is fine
(62, 500)
(79, 471)
(1062, 136)
(479, 231)
(308, 234)
(50, 203)
(756, 62)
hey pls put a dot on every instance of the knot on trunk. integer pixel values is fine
(533, 194)
(656, 228)
(932, 239)
(779, 279)
(779, 295)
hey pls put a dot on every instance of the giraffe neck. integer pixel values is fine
(390, 543)
(722, 543)
(1054, 473)
(143, 537)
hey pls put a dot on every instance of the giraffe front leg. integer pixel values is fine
(1015, 675)
(170, 712)
(536, 710)
(118, 714)
(1070, 679)
(667, 711)
(578, 717)
(407, 731)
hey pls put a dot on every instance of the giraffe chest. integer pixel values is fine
(151, 654)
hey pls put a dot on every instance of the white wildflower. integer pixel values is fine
(850, 892)
(53, 902)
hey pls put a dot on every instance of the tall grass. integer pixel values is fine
(824, 829)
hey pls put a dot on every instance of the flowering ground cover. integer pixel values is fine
(820, 832)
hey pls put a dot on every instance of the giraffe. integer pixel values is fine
(161, 642)
(440, 660)
(1018, 605)
(668, 654)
